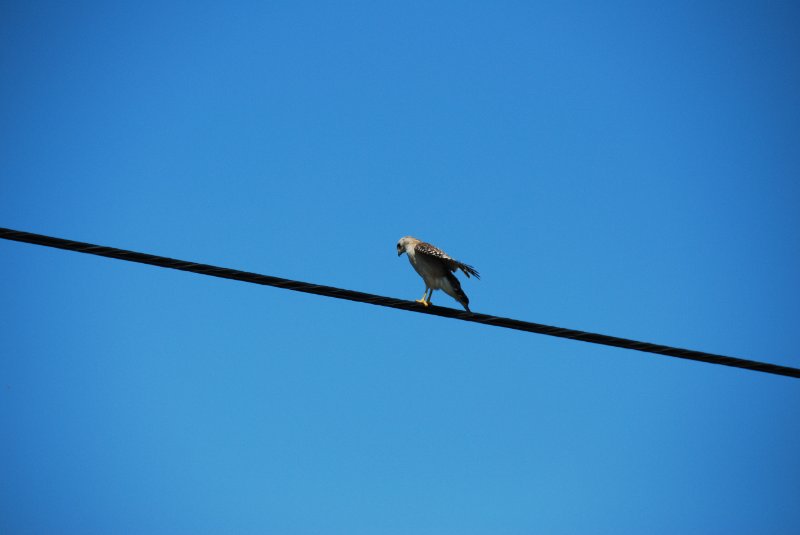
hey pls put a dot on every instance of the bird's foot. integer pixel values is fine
(422, 302)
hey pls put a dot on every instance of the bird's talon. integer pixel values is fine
(422, 302)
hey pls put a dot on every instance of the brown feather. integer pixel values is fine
(452, 264)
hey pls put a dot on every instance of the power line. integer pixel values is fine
(411, 306)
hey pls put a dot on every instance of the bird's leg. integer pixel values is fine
(430, 296)
(422, 300)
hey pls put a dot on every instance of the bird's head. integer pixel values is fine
(404, 243)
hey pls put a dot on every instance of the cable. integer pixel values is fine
(411, 306)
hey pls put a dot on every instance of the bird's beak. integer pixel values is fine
(399, 252)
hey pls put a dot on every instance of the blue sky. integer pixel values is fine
(627, 168)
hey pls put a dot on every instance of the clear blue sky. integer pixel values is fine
(625, 168)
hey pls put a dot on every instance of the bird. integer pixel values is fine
(436, 268)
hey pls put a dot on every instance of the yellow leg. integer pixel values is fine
(423, 301)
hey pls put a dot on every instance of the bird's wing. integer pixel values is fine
(431, 251)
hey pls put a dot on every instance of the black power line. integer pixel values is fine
(411, 306)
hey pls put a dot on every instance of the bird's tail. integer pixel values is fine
(454, 290)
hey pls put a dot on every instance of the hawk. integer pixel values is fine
(436, 269)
